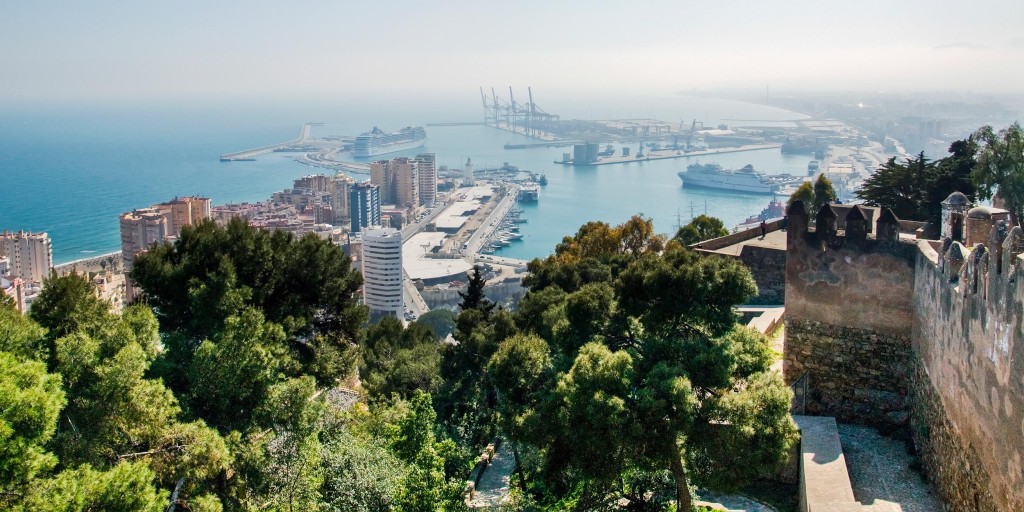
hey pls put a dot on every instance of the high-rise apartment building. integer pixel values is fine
(313, 182)
(399, 181)
(185, 211)
(29, 255)
(144, 227)
(140, 229)
(339, 186)
(364, 206)
(407, 182)
(426, 165)
(382, 271)
(382, 175)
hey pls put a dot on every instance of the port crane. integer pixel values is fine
(509, 114)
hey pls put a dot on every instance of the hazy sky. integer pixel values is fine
(102, 49)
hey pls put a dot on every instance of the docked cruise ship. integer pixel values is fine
(376, 142)
(739, 180)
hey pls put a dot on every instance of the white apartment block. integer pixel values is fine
(382, 271)
(29, 255)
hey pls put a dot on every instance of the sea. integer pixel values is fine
(70, 169)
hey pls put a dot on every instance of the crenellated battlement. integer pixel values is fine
(837, 225)
(924, 336)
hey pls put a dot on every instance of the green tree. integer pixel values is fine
(951, 174)
(22, 337)
(294, 475)
(30, 400)
(127, 487)
(306, 285)
(805, 193)
(648, 374)
(7, 302)
(441, 321)
(426, 487)
(1000, 167)
(914, 189)
(230, 376)
(115, 413)
(473, 297)
(360, 475)
(400, 360)
(824, 193)
(900, 187)
(701, 228)
(67, 304)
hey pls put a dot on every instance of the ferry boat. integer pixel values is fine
(528, 194)
(745, 179)
(376, 142)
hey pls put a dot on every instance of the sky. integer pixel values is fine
(104, 49)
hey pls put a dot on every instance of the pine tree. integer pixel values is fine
(474, 297)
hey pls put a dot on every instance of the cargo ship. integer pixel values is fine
(376, 142)
(745, 179)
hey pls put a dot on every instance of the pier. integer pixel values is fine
(466, 123)
(552, 144)
(665, 154)
(251, 154)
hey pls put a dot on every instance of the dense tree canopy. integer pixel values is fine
(915, 188)
(633, 380)
(400, 360)
(305, 284)
(249, 418)
(622, 376)
(701, 228)
(441, 321)
(1000, 167)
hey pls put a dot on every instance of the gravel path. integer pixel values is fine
(494, 484)
(731, 502)
(881, 475)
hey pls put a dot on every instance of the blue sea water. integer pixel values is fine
(70, 171)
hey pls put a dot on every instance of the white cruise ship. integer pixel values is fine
(376, 142)
(739, 180)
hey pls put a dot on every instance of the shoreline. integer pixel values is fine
(107, 261)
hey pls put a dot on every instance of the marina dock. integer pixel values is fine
(664, 154)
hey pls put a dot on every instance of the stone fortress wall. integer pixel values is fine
(917, 336)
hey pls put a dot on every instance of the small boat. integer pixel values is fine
(543, 180)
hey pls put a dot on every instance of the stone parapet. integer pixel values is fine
(855, 375)
(955, 470)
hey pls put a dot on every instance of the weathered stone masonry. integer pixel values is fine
(887, 329)
(849, 317)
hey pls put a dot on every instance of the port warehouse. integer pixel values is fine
(459, 212)
(423, 253)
